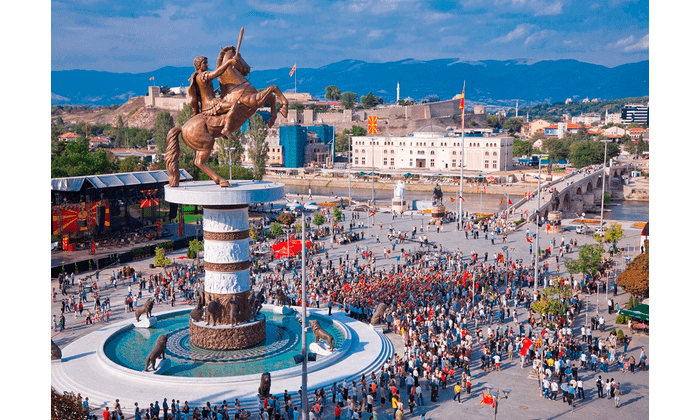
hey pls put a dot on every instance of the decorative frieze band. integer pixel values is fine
(226, 267)
(226, 236)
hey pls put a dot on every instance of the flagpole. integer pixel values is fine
(461, 161)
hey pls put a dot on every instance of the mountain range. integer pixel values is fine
(488, 82)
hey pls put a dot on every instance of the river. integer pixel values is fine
(636, 211)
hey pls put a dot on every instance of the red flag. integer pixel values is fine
(529, 239)
(509, 202)
(152, 78)
(462, 198)
(549, 228)
(291, 72)
(461, 102)
(487, 399)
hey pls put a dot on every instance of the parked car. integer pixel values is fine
(581, 229)
(600, 231)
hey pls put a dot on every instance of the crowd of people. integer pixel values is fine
(455, 315)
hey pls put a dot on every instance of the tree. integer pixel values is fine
(286, 219)
(257, 145)
(521, 147)
(195, 246)
(589, 261)
(164, 122)
(160, 260)
(557, 148)
(493, 121)
(236, 153)
(77, 160)
(348, 100)
(131, 164)
(613, 234)
(552, 301)
(276, 229)
(184, 114)
(513, 125)
(119, 135)
(635, 279)
(66, 406)
(337, 215)
(370, 101)
(318, 219)
(333, 93)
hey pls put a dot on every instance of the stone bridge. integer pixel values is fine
(578, 192)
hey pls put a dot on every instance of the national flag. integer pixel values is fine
(501, 202)
(549, 228)
(372, 213)
(291, 72)
(528, 239)
(487, 399)
(484, 189)
(526, 345)
(509, 202)
(372, 124)
(461, 102)
(152, 78)
(501, 259)
(452, 199)
(462, 198)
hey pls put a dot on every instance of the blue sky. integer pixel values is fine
(142, 35)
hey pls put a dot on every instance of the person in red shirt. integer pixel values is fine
(338, 411)
(105, 414)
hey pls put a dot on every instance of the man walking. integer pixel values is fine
(457, 394)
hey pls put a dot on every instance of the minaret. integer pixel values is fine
(398, 91)
(516, 108)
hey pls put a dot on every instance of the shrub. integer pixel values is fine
(621, 319)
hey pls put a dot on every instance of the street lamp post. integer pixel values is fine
(304, 397)
(537, 235)
(229, 149)
(602, 197)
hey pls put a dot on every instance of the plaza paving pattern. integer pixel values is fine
(524, 402)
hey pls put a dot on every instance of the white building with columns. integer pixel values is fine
(433, 149)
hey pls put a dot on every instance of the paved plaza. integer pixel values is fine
(524, 402)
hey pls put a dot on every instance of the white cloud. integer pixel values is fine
(543, 9)
(519, 32)
(626, 41)
(540, 35)
(641, 45)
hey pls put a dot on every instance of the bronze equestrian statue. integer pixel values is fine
(216, 117)
(157, 352)
(145, 309)
(321, 334)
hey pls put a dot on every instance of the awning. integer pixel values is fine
(640, 312)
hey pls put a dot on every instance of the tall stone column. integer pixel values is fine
(229, 321)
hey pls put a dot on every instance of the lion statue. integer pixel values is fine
(378, 314)
(145, 309)
(265, 383)
(157, 352)
(281, 299)
(198, 312)
(321, 334)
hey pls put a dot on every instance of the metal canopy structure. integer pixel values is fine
(126, 187)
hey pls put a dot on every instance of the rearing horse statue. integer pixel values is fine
(238, 101)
